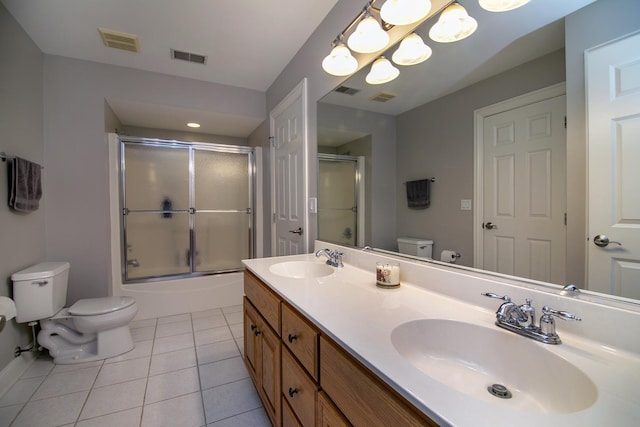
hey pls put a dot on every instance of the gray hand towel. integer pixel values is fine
(25, 185)
(418, 193)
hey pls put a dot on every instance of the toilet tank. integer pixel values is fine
(40, 291)
(415, 246)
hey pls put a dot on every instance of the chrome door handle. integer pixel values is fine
(489, 226)
(601, 240)
(298, 231)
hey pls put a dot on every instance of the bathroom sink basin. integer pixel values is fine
(301, 269)
(471, 359)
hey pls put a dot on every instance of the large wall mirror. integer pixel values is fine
(424, 124)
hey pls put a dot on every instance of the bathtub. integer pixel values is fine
(164, 298)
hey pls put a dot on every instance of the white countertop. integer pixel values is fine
(349, 308)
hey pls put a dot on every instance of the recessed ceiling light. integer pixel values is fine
(193, 125)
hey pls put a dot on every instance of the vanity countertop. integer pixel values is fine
(349, 308)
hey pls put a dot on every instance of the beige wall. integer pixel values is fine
(22, 236)
(437, 140)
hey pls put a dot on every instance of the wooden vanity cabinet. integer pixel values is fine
(305, 379)
(263, 348)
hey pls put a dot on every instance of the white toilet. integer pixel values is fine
(415, 246)
(91, 329)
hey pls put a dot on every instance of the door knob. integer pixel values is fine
(298, 231)
(489, 226)
(601, 240)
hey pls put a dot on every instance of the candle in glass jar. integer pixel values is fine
(387, 274)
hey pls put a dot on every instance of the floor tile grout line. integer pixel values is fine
(86, 398)
(203, 406)
(146, 383)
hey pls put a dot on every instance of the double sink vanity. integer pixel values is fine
(325, 346)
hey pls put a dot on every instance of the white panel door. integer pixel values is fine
(288, 176)
(524, 191)
(613, 115)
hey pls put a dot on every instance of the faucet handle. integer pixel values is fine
(565, 315)
(505, 298)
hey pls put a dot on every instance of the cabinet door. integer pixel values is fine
(251, 347)
(360, 395)
(270, 348)
(288, 418)
(328, 414)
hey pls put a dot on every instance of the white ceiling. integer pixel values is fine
(249, 42)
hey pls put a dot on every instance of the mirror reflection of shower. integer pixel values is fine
(341, 199)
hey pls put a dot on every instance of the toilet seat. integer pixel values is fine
(98, 306)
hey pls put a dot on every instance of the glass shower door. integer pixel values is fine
(223, 210)
(187, 208)
(156, 216)
(337, 199)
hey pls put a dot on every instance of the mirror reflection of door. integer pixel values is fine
(339, 194)
(524, 230)
(613, 104)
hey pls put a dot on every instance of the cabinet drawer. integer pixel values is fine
(362, 397)
(301, 338)
(299, 390)
(264, 300)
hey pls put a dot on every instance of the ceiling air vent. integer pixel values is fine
(188, 56)
(382, 97)
(347, 90)
(118, 40)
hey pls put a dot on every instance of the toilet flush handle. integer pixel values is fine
(40, 282)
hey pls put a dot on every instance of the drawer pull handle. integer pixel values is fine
(257, 332)
(292, 391)
(253, 327)
(292, 338)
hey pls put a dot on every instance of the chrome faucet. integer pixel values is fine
(334, 257)
(521, 319)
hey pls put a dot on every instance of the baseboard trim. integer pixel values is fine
(14, 370)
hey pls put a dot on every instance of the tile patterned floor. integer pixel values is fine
(186, 370)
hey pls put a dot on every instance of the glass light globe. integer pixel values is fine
(454, 24)
(382, 71)
(411, 51)
(404, 12)
(501, 5)
(368, 37)
(340, 62)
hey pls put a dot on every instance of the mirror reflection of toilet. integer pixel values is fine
(91, 329)
(415, 246)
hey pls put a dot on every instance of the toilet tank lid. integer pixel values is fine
(415, 241)
(96, 306)
(38, 271)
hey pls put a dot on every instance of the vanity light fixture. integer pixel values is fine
(382, 71)
(340, 62)
(193, 125)
(404, 12)
(453, 25)
(411, 51)
(502, 5)
(369, 36)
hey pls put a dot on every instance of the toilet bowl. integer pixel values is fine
(91, 329)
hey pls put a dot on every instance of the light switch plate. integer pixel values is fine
(465, 205)
(313, 205)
